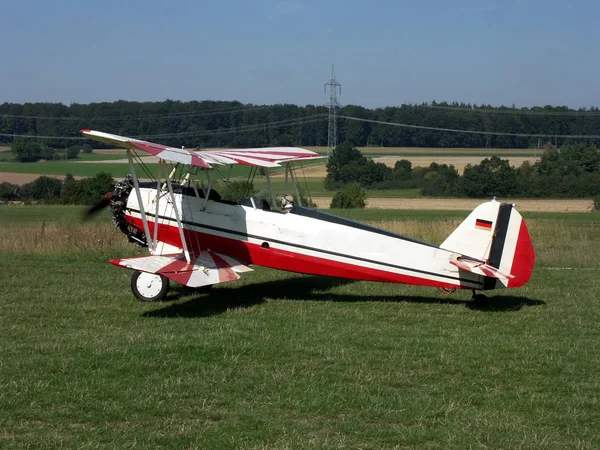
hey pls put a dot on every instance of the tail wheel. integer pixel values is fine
(149, 287)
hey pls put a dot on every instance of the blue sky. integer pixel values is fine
(526, 52)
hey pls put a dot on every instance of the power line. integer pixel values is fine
(241, 129)
(244, 128)
(488, 133)
(70, 138)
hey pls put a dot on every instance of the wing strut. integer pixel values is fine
(274, 207)
(136, 185)
(179, 225)
(291, 169)
(158, 194)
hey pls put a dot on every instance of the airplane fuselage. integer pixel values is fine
(303, 240)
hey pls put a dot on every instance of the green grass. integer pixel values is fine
(7, 156)
(278, 360)
(397, 214)
(100, 156)
(316, 187)
(10, 157)
(83, 169)
(23, 214)
(117, 170)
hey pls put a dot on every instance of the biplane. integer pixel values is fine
(197, 238)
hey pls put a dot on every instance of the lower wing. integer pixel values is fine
(208, 268)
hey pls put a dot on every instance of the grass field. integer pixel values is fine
(278, 360)
(316, 187)
(89, 169)
(8, 156)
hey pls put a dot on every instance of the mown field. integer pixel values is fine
(279, 360)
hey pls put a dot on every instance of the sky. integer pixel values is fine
(498, 52)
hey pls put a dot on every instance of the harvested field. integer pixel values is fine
(463, 204)
(319, 170)
(428, 150)
(22, 178)
(457, 161)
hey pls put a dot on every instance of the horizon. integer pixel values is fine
(431, 104)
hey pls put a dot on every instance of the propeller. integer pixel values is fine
(98, 206)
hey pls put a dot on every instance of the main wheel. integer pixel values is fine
(149, 287)
(480, 299)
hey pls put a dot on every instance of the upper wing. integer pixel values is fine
(262, 157)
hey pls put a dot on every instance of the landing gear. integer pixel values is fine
(149, 287)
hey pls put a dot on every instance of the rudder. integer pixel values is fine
(496, 233)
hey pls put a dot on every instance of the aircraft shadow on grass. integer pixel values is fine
(311, 288)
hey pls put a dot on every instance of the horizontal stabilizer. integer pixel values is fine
(478, 267)
(208, 268)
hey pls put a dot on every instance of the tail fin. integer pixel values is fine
(496, 233)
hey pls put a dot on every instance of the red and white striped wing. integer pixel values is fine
(208, 268)
(261, 157)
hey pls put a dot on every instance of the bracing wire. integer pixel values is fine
(143, 165)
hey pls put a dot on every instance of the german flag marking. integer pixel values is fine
(483, 224)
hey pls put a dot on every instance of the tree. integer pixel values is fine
(97, 186)
(73, 151)
(341, 156)
(403, 165)
(349, 196)
(46, 152)
(26, 150)
(72, 191)
(42, 189)
(9, 191)
(492, 177)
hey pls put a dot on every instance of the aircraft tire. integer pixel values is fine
(149, 287)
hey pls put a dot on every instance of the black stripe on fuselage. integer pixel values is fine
(498, 241)
(318, 250)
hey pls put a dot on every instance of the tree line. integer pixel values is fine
(55, 191)
(572, 171)
(30, 150)
(234, 124)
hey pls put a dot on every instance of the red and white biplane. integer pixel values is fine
(198, 239)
